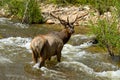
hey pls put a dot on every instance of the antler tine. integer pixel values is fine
(57, 17)
(54, 15)
(68, 19)
(79, 17)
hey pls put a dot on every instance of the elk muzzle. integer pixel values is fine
(71, 31)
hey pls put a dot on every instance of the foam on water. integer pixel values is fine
(114, 75)
(85, 45)
(50, 73)
(76, 66)
(36, 66)
(80, 36)
(5, 60)
(68, 48)
(7, 21)
(46, 70)
(80, 67)
(109, 64)
(16, 41)
(21, 25)
(70, 52)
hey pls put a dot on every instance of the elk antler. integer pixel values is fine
(79, 18)
(64, 21)
(53, 15)
(68, 19)
(57, 17)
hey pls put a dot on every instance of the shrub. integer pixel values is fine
(100, 5)
(107, 34)
(16, 8)
(32, 14)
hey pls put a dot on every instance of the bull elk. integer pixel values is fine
(45, 46)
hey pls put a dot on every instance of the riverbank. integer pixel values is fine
(72, 11)
(64, 11)
(78, 62)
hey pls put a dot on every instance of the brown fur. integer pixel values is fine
(45, 46)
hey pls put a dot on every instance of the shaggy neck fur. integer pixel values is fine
(64, 35)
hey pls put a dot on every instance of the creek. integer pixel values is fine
(76, 64)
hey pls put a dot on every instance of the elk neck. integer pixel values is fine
(64, 35)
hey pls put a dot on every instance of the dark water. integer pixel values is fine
(76, 64)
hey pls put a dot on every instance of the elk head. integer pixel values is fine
(45, 46)
(66, 23)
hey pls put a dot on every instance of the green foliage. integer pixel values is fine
(117, 5)
(18, 7)
(66, 1)
(3, 2)
(34, 13)
(100, 5)
(103, 5)
(107, 34)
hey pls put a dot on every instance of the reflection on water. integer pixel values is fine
(76, 64)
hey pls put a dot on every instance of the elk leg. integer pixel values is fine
(49, 58)
(42, 62)
(59, 57)
(35, 58)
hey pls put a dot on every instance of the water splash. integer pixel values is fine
(85, 45)
(114, 75)
(16, 41)
(77, 60)
(82, 68)
(5, 60)
(36, 66)
(7, 21)
(76, 66)
(21, 25)
(49, 73)
(53, 74)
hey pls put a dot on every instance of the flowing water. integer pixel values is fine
(77, 64)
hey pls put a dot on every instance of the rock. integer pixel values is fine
(49, 21)
(2, 12)
(63, 12)
(86, 7)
